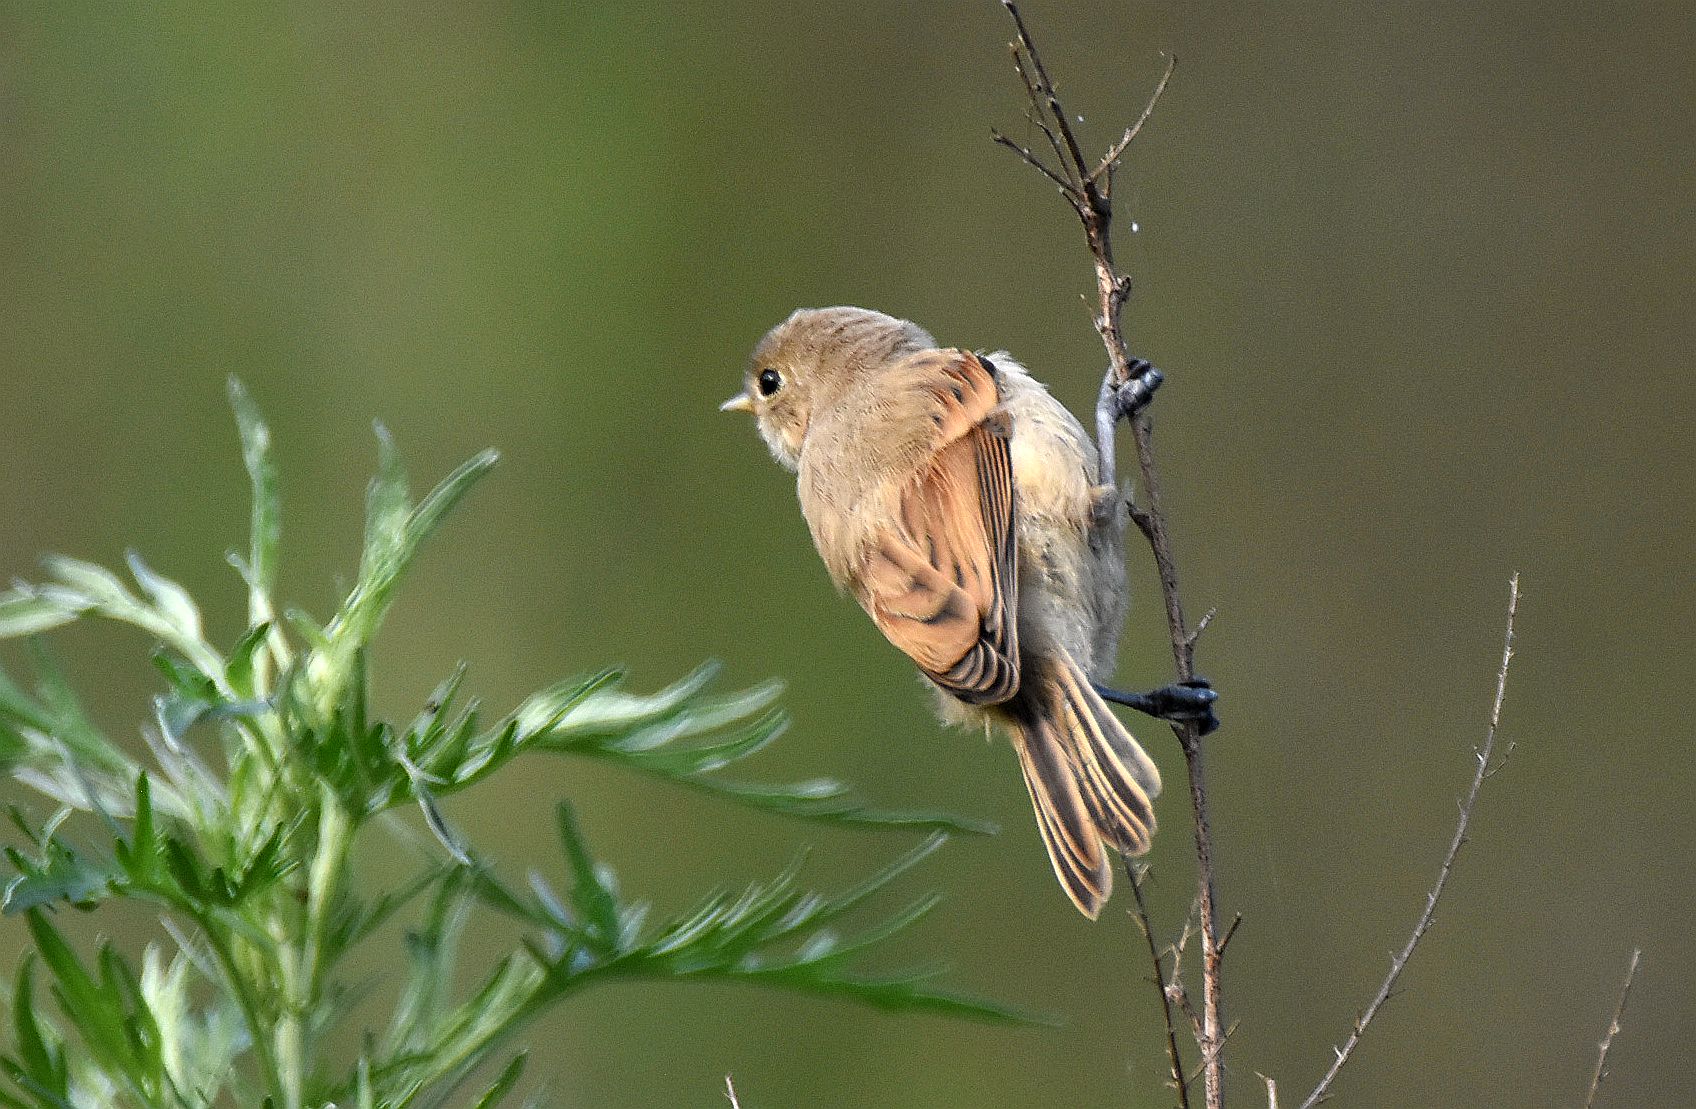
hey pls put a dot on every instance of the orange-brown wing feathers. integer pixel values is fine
(941, 580)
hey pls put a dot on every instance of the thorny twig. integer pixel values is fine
(730, 1093)
(1088, 189)
(1613, 1030)
(1423, 924)
(1179, 994)
(1225, 941)
(1201, 626)
(1173, 1057)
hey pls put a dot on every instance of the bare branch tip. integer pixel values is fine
(1201, 626)
(1466, 805)
(1601, 1072)
(1229, 932)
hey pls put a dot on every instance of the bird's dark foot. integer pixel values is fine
(1138, 390)
(1180, 702)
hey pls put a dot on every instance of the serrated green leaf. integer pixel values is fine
(60, 874)
(435, 506)
(94, 584)
(239, 668)
(265, 530)
(503, 1084)
(684, 735)
(26, 611)
(387, 504)
(170, 600)
(431, 950)
(185, 871)
(393, 538)
(98, 1015)
(610, 710)
(267, 867)
(316, 636)
(39, 1060)
(593, 899)
(140, 855)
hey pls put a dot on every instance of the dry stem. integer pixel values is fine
(1173, 1057)
(1423, 924)
(1088, 189)
(1613, 1030)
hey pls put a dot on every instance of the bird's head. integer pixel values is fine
(806, 362)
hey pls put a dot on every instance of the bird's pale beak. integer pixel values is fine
(739, 403)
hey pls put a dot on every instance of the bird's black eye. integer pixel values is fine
(769, 382)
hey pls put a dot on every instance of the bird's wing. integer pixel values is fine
(941, 579)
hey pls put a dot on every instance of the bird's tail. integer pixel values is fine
(1088, 778)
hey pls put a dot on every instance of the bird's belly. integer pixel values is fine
(1071, 563)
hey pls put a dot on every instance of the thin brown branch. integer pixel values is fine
(1031, 159)
(1141, 519)
(1176, 979)
(1201, 626)
(1423, 924)
(1050, 99)
(1094, 209)
(1035, 113)
(1225, 941)
(1179, 945)
(1117, 150)
(1507, 754)
(1173, 1058)
(1613, 1030)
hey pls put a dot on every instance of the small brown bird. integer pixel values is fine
(955, 499)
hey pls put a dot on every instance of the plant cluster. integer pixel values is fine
(266, 775)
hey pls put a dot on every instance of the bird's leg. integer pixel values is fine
(1119, 402)
(1179, 702)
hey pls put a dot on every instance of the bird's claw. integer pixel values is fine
(1141, 380)
(1188, 701)
(1182, 702)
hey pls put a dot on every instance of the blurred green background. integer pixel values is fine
(1421, 279)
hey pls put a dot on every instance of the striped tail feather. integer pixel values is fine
(1090, 782)
(1067, 826)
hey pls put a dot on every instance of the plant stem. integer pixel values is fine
(1607, 1043)
(1173, 1057)
(1399, 963)
(1088, 189)
(256, 1029)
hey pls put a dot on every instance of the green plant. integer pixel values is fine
(266, 775)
